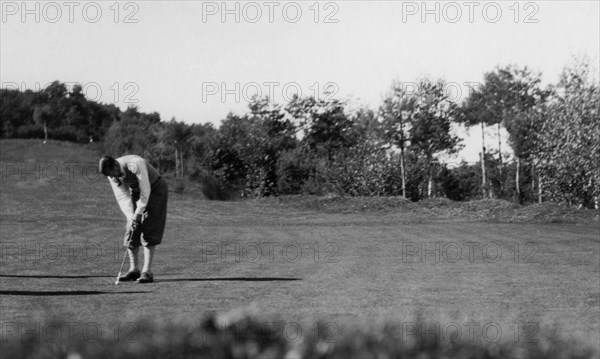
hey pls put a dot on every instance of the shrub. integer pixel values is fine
(293, 172)
(179, 186)
(212, 188)
(235, 335)
(29, 131)
(68, 133)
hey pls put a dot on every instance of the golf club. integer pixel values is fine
(120, 270)
(125, 255)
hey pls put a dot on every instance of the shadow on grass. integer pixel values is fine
(53, 276)
(232, 279)
(60, 292)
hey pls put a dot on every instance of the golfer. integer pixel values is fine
(142, 195)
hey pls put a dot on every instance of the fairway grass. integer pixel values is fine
(60, 242)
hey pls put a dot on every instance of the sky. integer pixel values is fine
(198, 60)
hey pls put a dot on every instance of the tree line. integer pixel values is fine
(318, 146)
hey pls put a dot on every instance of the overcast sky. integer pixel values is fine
(180, 58)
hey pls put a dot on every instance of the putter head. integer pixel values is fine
(117, 282)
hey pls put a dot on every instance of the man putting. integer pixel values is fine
(142, 195)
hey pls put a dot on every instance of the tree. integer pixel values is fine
(432, 119)
(132, 133)
(43, 115)
(397, 111)
(235, 154)
(54, 112)
(177, 135)
(16, 110)
(523, 115)
(279, 136)
(56, 91)
(53, 109)
(324, 125)
(200, 144)
(78, 115)
(278, 126)
(365, 167)
(568, 146)
(505, 94)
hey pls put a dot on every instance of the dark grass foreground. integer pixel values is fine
(237, 335)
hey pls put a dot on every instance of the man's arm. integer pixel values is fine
(141, 171)
(123, 198)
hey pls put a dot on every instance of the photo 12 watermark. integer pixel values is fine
(269, 252)
(468, 252)
(68, 332)
(68, 172)
(28, 12)
(276, 91)
(490, 332)
(71, 172)
(252, 12)
(117, 92)
(266, 332)
(470, 11)
(59, 253)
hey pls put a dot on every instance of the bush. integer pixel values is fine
(235, 335)
(68, 133)
(461, 183)
(212, 188)
(29, 131)
(179, 186)
(364, 170)
(293, 173)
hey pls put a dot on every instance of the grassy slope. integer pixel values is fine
(365, 277)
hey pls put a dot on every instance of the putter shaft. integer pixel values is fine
(123, 261)
(121, 270)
